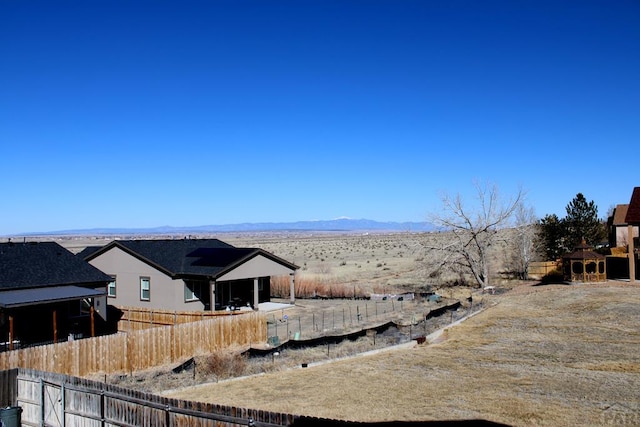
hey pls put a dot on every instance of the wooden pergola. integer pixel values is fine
(633, 219)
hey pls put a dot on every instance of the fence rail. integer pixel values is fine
(140, 349)
(57, 400)
(344, 318)
(136, 318)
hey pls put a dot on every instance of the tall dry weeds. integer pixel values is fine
(314, 286)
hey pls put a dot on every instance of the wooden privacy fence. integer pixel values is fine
(58, 400)
(142, 349)
(136, 318)
(540, 269)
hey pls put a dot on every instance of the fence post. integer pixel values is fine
(63, 405)
(42, 402)
(102, 411)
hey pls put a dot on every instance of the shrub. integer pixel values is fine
(222, 365)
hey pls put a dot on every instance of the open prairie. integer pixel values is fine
(542, 355)
(367, 262)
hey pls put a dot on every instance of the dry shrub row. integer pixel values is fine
(308, 286)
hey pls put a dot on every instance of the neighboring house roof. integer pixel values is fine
(633, 213)
(619, 215)
(187, 257)
(23, 297)
(45, 264)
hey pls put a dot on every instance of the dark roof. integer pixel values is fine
(633, 213)
(34, 296)
(188, 257)
(83, 254)
(583, 251)
(39, 264)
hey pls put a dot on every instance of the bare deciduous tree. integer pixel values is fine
(473, 231)
(524, 239)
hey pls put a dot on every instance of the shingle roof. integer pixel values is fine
(619, 214)
(633, 213)
(34, 296)
(187, 257)
(39, 264)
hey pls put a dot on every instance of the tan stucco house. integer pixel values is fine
(619, 228)
(187, 274)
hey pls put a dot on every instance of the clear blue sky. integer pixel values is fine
(148, 113)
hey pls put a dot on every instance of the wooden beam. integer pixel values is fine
(11, 332)
(55, 327)
(93, 322)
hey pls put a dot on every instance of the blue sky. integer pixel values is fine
(150, 113)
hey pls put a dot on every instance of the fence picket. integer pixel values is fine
(140, 349)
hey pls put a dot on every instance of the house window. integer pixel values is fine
(111, 287)
(145, 288)
(192, 290)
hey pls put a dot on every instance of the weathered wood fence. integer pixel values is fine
(57, 400)
(539, 269)
(136, 318)
(142, 349)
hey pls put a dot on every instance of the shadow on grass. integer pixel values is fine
(552, 282)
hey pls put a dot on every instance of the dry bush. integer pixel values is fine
(222, 365)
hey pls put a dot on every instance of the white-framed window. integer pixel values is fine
(111, 287)
(192, 290)
(145, 289)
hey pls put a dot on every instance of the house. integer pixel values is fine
(633, 219)
(618, 227)
(187, 274)
(48, 294)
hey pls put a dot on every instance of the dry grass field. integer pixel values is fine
(543, 355)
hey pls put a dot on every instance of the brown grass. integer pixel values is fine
(556, 355)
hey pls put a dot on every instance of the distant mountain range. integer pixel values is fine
(340, 224)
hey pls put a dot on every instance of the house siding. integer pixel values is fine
(165, 292)
(259, 266)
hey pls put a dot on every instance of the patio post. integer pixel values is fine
(292, 291)
(631, 254)
(256, 292)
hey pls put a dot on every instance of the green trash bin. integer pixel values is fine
(10, 416)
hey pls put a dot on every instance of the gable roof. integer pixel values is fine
(633, 213)
(619, 215)
(44, 264)
(187, 257)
